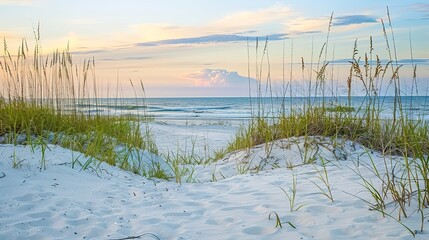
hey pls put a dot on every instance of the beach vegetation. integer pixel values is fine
(326, 188)
(16, 162)
(398, 135)
(291, 196)
(178, 167)
(279, 223)
(39, 105)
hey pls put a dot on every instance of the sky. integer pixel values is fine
(193, 48)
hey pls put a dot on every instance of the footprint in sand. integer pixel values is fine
(212, 222)
(44, 214)
(151, 221)
(25, 198)
(351, 231)
(79, 222)
(259, 231)
(243, 191)
(219, 202)
(177, 214)
(371, 218)
(325, 209)
(238, 208)
(73, 214)
(26, 207)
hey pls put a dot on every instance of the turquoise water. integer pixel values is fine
(240, 107)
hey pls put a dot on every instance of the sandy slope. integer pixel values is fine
(62, 202)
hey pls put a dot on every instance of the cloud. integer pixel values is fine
(219, 78)
(422, 61)
(249, 20)
(17, 2)
(95, 51)
(353, 19)
(215, 38)
(302, 25)
(423, 8)
(156, 32)
(124, 59)
(276, 21)
(340, 23)
(260, 22)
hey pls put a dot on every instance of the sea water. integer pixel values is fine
(228, 108)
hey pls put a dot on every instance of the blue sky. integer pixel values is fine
(200, 47)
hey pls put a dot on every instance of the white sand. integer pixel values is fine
(62, 202)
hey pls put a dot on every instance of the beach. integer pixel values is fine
(237, 197)
(189, 120)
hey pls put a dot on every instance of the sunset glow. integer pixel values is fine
(204, 48)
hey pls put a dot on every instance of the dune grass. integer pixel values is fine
(39, 106)
(400, 134)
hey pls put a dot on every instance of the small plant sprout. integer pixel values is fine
(279, 223)
(323, 176)
(292, 196)
(43, 146)
(16, 162)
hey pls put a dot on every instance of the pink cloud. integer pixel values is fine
(218, 78)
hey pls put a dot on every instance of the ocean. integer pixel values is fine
(225, 108)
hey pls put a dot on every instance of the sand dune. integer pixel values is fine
(104, 202)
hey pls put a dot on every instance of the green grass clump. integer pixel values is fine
(39, 104)
(378, 134)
